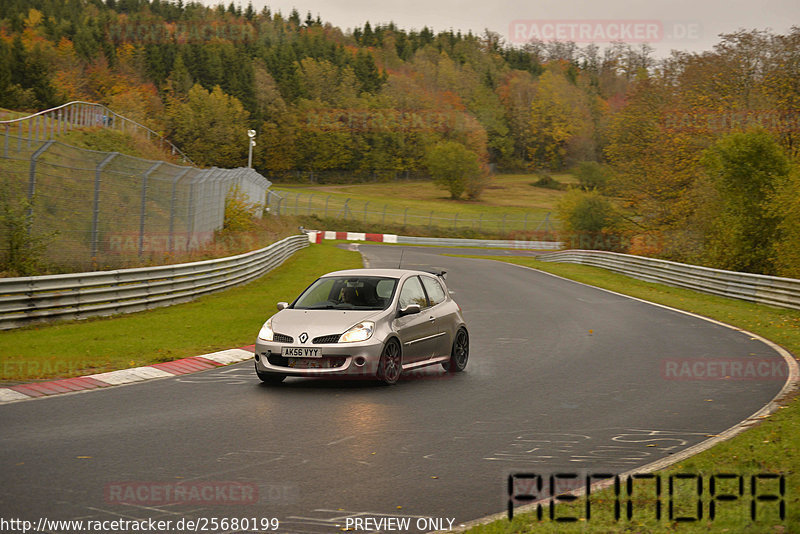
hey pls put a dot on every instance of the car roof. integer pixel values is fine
(387, 273)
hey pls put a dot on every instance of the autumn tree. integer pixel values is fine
(211, 127)
(559, 113)
(452, 167)
(785, 206)
(745, 170)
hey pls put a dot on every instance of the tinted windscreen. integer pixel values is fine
(343, 293)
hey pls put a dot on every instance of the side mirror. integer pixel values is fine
(282, 305)
(410, 310)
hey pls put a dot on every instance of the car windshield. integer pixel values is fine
(348, 293)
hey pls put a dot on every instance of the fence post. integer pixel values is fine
(96, 208)
(383, 219)
(296, 201)
(309, 203)
(480, 221)
(326, 206)
(191, 208)
(525, 226)
(430, 220)
(32, 182)
(5, 144)
(503, 227)
(345, 208)
(405, 216)
(145, 176)
(365, 211)
(455, 221)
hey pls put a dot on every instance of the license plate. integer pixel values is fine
(300, 352)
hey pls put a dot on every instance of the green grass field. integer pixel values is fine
(215, 322)
(771, 446)
(509, 203)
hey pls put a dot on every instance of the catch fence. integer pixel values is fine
(46, 125)
(349, 209)
(80, 209)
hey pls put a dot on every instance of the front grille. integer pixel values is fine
(277, 359)
(282, 338)
(328, 363)
(333, 338)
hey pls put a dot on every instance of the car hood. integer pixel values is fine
(319, 322)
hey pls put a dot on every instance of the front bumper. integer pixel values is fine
(347, 359)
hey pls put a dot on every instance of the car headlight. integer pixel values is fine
(360, 332)
(266, 333)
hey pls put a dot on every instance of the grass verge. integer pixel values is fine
(509, 203)
(772, 446)
(214, 322)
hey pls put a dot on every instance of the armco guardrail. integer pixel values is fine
(318, 235)
(36, 299)
(772, 290)
(481, 243)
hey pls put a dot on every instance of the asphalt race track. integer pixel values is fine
(561, 378)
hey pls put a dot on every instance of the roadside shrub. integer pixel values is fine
(239, 213)
(548, 182)
(590, 221)
(592, 175)
(21, 249)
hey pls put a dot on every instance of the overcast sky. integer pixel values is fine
(679, 24)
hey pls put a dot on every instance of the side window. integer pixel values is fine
(412, 293)
(434, 288)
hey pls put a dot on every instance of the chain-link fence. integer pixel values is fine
(349, 209)
(50, 123)
(83, 209)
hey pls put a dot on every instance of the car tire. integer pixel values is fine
(390, 365)
(270, 378)
(459, 355)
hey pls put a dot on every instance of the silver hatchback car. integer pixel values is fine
(374, 323)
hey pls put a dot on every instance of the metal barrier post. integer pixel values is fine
(96, 208)
(143, 212)
(172, 202)
(32, 181)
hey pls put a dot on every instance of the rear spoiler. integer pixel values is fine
(436, 272)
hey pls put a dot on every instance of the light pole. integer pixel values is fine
(251, 134)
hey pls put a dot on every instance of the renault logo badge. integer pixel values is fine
(303, 337)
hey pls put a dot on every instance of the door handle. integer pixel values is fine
(432, 318)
